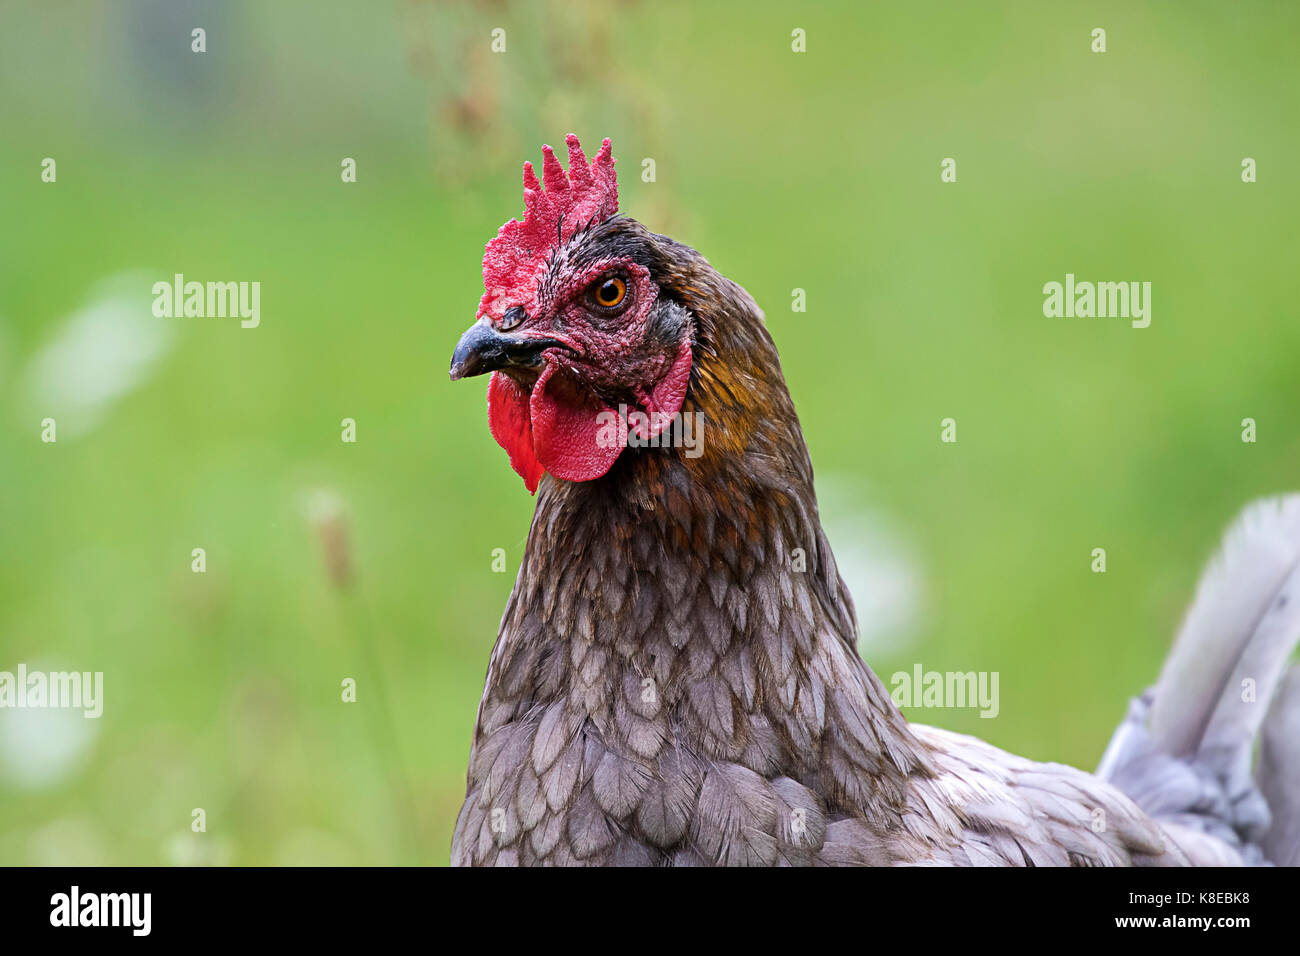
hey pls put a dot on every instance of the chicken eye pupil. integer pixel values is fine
(611, 292)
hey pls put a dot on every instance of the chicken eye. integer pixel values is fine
(610, 292)
(513, 317)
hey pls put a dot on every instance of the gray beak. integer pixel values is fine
(483, 349)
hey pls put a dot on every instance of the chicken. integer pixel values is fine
(675, 680)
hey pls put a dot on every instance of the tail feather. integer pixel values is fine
(1184, 752)
(1242, 626)
(1279, 772)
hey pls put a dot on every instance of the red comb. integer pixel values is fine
(513, 259)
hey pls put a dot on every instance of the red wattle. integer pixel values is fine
(508, 417)
(562, 428)
(567, 429)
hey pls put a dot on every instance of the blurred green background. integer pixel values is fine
(817, 171)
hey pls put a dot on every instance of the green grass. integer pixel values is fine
(818, 171)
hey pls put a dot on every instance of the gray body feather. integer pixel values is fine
(687, 741)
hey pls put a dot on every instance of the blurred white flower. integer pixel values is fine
(102, 351)
(198, 849)
(43, 747)
(877, 562)
(68, 841)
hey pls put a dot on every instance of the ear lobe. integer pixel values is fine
(510, 422)
(665, 399)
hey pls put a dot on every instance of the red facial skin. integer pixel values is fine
(556, 425)
(552, 420)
